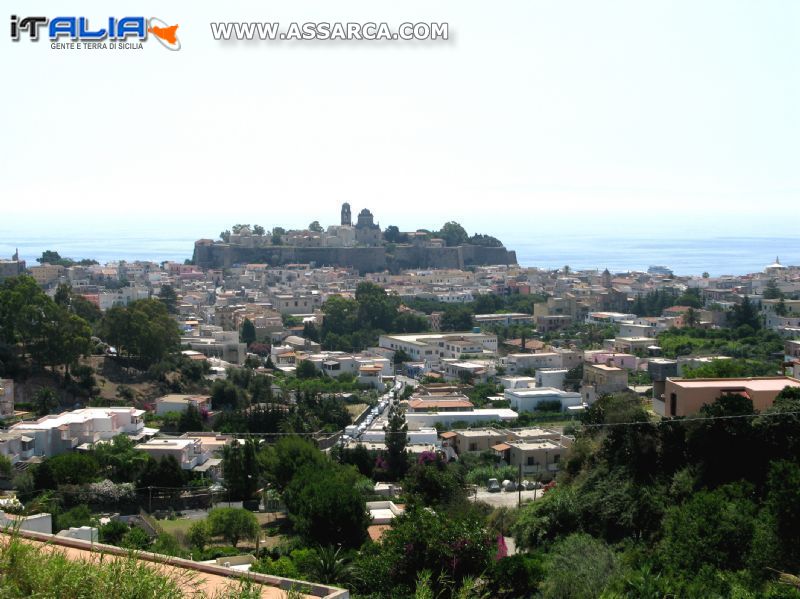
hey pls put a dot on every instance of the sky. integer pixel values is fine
(536, 118)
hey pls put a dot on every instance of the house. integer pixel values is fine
(551, 377)
(446, 417)
(529, 400)
(455, 370)
(599, 380)
(517, 382)
(188, 452)
(213, 342)
(6, 398)
(519, 363)
(17, 446)
(540, 459)
(431, 347)
(474, 439)
(34, 523)
(684, 397)
(504, 320)
(552, 322)
(58, 433)
(175, 402)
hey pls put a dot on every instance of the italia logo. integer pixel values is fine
(113, 29)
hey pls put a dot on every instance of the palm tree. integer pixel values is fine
(330, 567)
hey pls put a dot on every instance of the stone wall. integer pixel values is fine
(363, 259)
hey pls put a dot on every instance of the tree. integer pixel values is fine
(772, 291)
(75, 517)
(326, 507)
(45, 400)
(306, 370)
(580, 566)
(233, 524)
(396, 441)
(248, 332)
(119, 460)
(453, 234)
(258, 230)
(142, 330)
(199, 535)
(711, 527)
(456, 318)
(485, 241)
(73, 468)
(434, 483)
(281, 461)
(225, 395)
(136, 539)
(167, 544)
(163, 473)
(745, 313)
(190, 420)
(392, 234)
(241, 470)
(113, 532)
(315, 227)
(49, 257)
(5, 466)
(452, 547)
(225, 236)
(167, 295)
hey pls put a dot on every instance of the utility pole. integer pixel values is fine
(150, 499)
(519, 486)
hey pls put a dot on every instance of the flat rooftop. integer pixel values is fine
(74, 417)
(531, 445)
(540, 391)
(776, 383)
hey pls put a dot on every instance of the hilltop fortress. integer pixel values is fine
(363, 246)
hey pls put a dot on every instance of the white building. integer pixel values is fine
(188, 452)
(517, 382)
(551, 377)
(175, 402)
(516, 363)
(417, 420)
(122, 296)
(505, 320)
(58, 433)
(527, 400)
(431, 347)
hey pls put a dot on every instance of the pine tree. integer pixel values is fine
(396, 441)
(248, 334)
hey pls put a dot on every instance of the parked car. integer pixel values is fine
(493, 486)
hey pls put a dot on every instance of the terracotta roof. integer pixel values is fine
(501, 447)
(448, 435)
(440, 403)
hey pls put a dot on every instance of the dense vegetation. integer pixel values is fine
(352, 325)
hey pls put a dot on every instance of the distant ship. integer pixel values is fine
(660, 270)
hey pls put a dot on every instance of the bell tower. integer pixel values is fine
(346, 218)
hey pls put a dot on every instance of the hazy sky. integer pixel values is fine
(659, 117)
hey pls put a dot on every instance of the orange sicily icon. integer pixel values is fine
(165, 33)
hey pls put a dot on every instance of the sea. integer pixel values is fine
(684, 256)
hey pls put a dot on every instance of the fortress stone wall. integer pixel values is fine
(208, 254)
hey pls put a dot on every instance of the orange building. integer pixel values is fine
(684, 397)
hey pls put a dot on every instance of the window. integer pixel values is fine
(673, 404)
(556, 458)
(531, 461)
(473, 447)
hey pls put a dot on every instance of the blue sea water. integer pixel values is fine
(685, 256)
